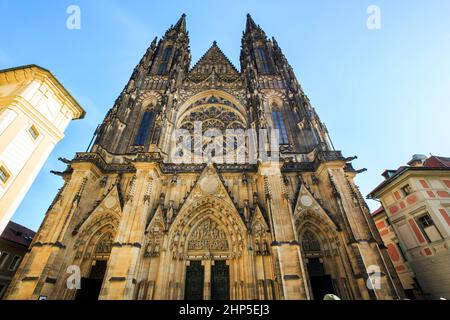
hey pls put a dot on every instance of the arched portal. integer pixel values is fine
(323, 255)
(91, 283)
(320, 279)
(208, 251)
(93, 249)
(209, 238)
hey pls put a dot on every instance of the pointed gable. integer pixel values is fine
(108, 209)
(307, 204)
(259, 223)
(210, 184)
(158, 222)
(213, 61)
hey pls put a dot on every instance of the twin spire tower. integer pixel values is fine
(138, 226)
(166, 69)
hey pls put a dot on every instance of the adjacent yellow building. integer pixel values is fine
(35, 110)
(415, 224)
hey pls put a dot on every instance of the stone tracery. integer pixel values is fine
(214, 113)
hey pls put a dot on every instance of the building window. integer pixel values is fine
(407, 190)
(4, 175)
(263, 59)
(3, 258)
(425, 221)
(428, 228)
(144, 128)
(14, 263)
(165, 61)
(33, 132)
(278, 122)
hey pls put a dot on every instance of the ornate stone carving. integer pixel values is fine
(208, 236)
(105, 245)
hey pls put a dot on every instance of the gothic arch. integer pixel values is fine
(102, 221)
(149, 97)
(218, 211)
(331, 253)
(310, 242)
(91, 234)
(224, 99)
(226, 240)
(93, 242)
(274, 97)
(222, 115)
(324, 230)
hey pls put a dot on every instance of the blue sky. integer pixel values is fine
(384, 94)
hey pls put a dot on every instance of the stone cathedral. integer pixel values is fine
(133, 224)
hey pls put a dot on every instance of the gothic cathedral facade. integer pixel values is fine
(137, 225)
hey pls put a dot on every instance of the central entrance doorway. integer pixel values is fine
(217, 274)
(220, 282)
(195, 276)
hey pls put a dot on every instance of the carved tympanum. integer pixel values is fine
(208, 236)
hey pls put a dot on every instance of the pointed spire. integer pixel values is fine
(251, 25)
(252, 29)
(180, 26)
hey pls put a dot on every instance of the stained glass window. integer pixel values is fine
(263, 58)
(279, 125)
(165, 61)
(141, 136)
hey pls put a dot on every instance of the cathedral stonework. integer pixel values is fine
(139, 225)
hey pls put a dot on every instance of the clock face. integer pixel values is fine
(306, 201)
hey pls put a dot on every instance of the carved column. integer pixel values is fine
(207, 282)
(285, 246)
(120, 280)
(365, 252)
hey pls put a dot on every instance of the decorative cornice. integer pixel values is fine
(28, 72)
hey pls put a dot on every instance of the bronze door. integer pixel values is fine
(220, 282)
(195, 274)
